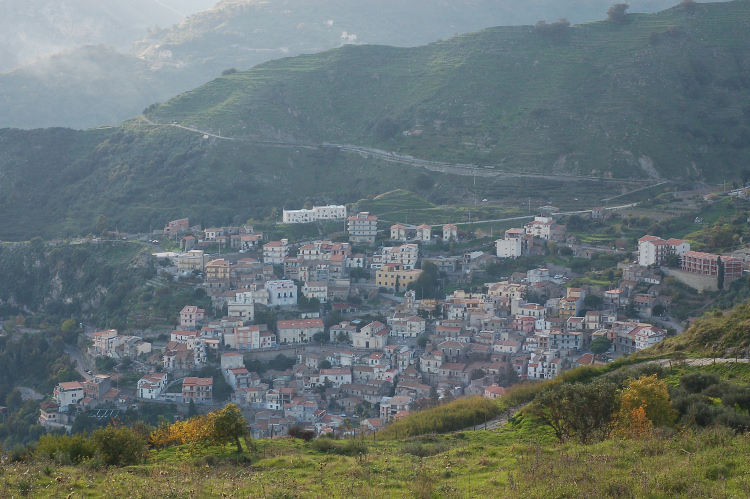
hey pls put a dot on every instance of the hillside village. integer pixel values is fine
(365, 341)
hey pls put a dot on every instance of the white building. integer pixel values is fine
(330, 212)
(274, 252)
(281, 293)
(316, 289)
(406, 255)
(66, 394)
(151, 386)
(654, 250)
(363, 228)
(508, 248)
(450, 231)
(298, 331)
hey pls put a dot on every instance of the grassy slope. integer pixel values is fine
(716, 334)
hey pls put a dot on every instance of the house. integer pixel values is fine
(654, 250)
(342, 332)
(66, 394)
(281, 292)
(189, 315)
(371, 336)
(407, 327)
(316, 289)
(450, 232)
(405, 255)
(212, 233)
(190, 261)
(544, 228)
(362, 228)
(394, 277)
(274, 252)
(217, 269)
(49, 413)
(151, 386)
(298, 331)
(494, 391)
(250, 338)
(176, 227)
(508, 248)
(199, 390)
(390, 406)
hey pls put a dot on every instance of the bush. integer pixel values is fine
(65, 449)
(119, 446)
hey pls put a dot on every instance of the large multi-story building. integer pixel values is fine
(275, 252)
(66, 394)
(330, 212)
(405, 255)
(192, 260)
(281, 293)
(654, 250)
(363, 228)
(199, 390)
(298, 331)
(394, 277)
(696, 262)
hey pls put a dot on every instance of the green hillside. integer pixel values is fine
(664, 95)
(71, 88)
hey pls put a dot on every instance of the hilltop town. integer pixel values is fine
(349, 333)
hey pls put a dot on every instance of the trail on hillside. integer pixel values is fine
(498, 421)
(462, 169)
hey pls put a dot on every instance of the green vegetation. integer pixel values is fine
(470, 108)
(717, 334)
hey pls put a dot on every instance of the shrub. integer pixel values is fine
(119, 446)
(65, 449)
(617, 13)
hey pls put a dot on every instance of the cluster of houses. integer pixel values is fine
(527, 326)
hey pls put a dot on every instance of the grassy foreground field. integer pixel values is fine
(516, 461)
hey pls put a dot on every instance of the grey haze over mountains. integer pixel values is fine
(86, 63)
(30, 29)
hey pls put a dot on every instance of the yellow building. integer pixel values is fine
(392, 277)
(217, 269)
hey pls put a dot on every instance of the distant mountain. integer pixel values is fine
(234, 34)
(660, 96)
(35, 28)
(84, 87)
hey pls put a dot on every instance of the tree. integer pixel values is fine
(422, 341)
(192, 411)
(229, 425)
(557, 30)
(325, 364)
(228, 72)
(650, 394)
(720, 275)
(101, 224)
(658, 310)
(120, 446)
(320, 337)
(600, 345)
(617, 13)
(592, 301)
(577, 410)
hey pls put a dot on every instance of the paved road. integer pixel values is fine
(75, 356)
(462, 169)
